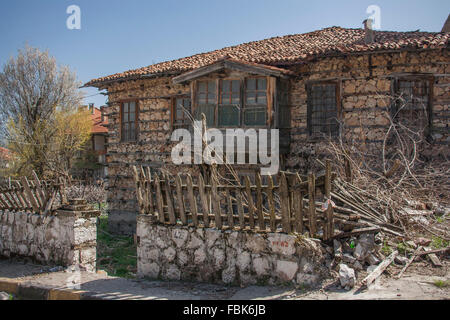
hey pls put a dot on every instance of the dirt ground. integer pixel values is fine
(420, 282)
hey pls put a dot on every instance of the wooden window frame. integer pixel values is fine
(173, 112)
(136, 120)
(242, 98)
(309, 87)
(220, 102)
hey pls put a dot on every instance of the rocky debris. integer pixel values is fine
(347, 276)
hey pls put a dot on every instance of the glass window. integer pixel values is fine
(206, 101)
(322, 110)
(255, 111)
(129, 121)
(411, 108)
(181, 112)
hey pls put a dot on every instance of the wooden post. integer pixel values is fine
(203, 200)
(149, 194)
(240, 208)
(39, 191)
(312, 204)
(138, 190)
(192, 200)
(273, 226)
(29, 194)
(20, 195)
(216, 201)
(284, 198)
(159, 199)
(298, 206)
(169, 201)
(329, 222)
(251, 206)
(259, 211)
(230, 209)
(143, 187)
(180, 201)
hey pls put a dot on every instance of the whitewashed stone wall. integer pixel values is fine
(67, 238)
(230, 257)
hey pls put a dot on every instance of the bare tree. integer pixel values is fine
(33, 90)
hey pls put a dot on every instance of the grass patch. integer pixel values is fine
(116, 255)
(387, 250)
(439, 243)
(441, 283)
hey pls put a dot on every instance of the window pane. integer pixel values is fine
(212, 86)
(225, 86)
(202, 86)
(261, 98)
(251, 84)
(202, 98)
(236, 86)
(132, 106)
(262, 84)
(251, 98)
(211, 98)
(228, 116)
(125, 107)
(235, 98)
(323, 109)
(125, 117)
(225, 98)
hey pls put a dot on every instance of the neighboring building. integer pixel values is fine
(446, 27)
(92, 160)
(330, 82)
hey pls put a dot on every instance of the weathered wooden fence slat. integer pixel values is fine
(273, 226)
(251, 206)
(159, 199)
(287, 207)
(259, 201)
(179, 190)
(192, 200)
(285, 204)
(169, 201)
(311, 204)
(203, 200)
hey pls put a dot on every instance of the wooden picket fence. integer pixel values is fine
(32, 194)
(277, 208)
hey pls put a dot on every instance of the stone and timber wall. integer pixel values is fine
(365, 95)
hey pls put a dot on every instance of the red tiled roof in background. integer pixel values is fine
(291, 49)
(97, 123)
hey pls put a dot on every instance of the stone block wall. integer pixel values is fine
(227, 257)
(67, 238)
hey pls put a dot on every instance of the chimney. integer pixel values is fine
(369, 34)
(91, 108)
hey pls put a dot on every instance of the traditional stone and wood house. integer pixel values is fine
(92, 159)
(331, 82)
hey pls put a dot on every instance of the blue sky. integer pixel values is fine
(119, 35)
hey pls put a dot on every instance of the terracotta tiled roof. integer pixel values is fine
(291, 49)
(97, 123)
